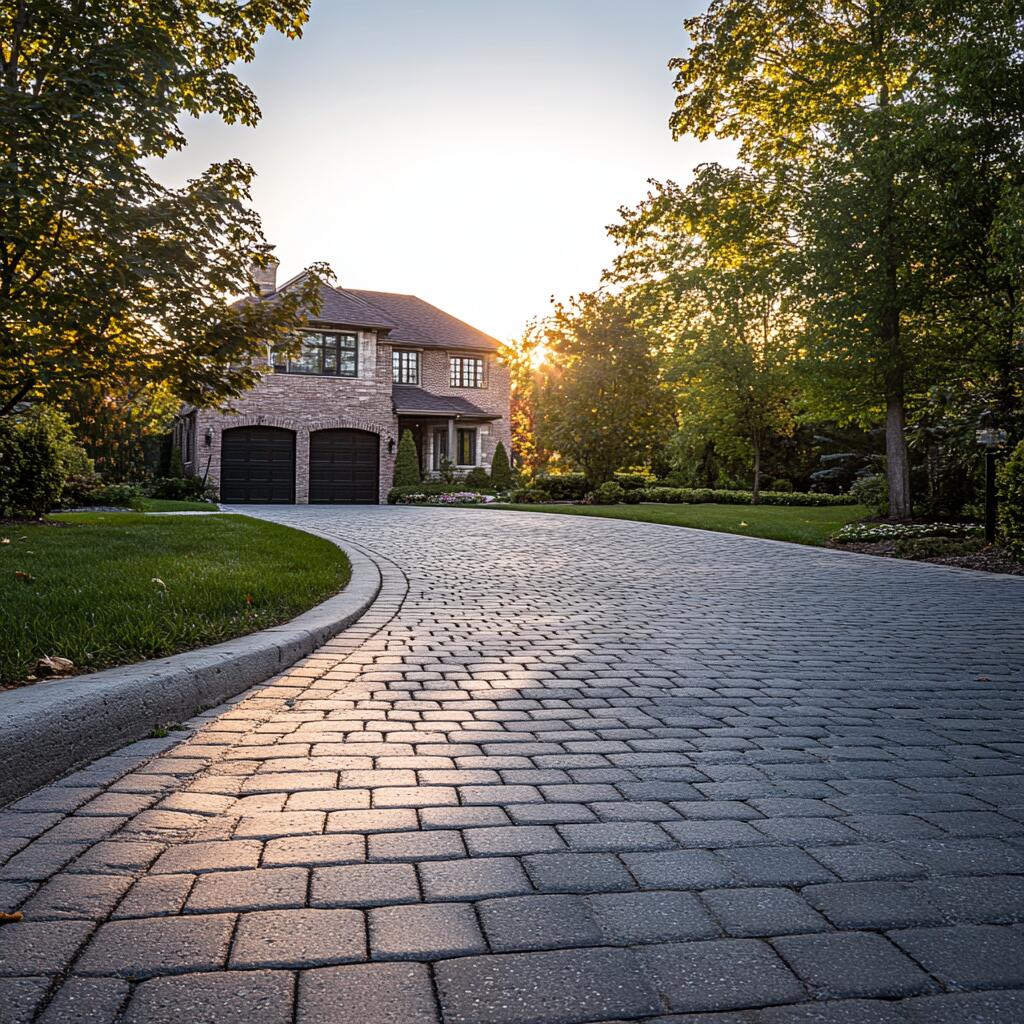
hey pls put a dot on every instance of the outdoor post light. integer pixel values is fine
(208, 437)
(391, 446)
(990, 438)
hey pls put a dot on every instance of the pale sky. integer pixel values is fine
(470, 152)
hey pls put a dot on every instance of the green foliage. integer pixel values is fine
(781, 485)
(528, 496)
(609, 493)
(36, 452)
(561, 486)
(936, 547)
(116, 496)
(501, 473)
(448, 471)
(180, 488)
(1011, 500)
(176, 468)
(477, 477)
(872, 491)
(407, 462)
(703, 495)
(107, 276)
(871, 532)
(600, 398)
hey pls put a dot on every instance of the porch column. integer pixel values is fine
(451, 442)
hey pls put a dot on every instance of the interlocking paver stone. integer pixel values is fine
(677, 747)
(424, 931)
(728, 974)
(225, 998)
(86, 1001)
(298, 938)
(397, 993)
(562, 987)
(538, 922)
(966, 956)
(162, 945)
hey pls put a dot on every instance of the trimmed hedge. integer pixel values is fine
(706, 496)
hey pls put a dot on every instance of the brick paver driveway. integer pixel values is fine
(566, 770)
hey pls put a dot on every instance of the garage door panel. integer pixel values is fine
(344, 467)
(258, 466)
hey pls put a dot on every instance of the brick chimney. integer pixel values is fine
(266, 277)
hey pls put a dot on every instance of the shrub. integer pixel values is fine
(176, 469)
(116, 496)
(562, 486)
(501, 473)
(32, 463)
(477, 477)
(527, 496)
(633, 497)
(781, 485)
(634, 481)
(872, 491)
(937, 547)
(407, 462)
(180, 488)
(705, 495)
(1011, 500)
(609, 493)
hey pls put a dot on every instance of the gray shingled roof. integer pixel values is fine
(409, 401)
(404, 318)
(420, 323)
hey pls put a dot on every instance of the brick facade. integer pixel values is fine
(306, 403)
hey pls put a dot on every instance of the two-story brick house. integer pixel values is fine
(323, 427)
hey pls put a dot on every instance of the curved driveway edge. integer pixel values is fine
(51, 728)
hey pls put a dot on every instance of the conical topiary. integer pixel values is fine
(407, 462)
(501, 474)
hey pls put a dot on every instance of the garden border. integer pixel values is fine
(53, 727)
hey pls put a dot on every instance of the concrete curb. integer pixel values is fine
(51, 728)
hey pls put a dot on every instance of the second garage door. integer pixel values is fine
(344, 467)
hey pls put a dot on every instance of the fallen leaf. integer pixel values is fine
(5, 540)
(11, 918)
(52, 665)
(742, 524)
(25, 577)
(159, 582)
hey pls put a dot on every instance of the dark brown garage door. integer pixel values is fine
(343, 467)
(257, 465)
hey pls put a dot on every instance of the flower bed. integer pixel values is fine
(861, 533)
(709, 496)
(450, 498)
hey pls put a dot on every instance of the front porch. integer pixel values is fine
(442, 439)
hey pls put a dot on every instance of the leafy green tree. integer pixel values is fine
(600, 400)
(104, 272)
(712, 268)
(501, 473)
(832, 102)
(523, 357)
(407, 462)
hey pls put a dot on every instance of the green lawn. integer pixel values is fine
(167, 505)
(798, 524)
(110, 588)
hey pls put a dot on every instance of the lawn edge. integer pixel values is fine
(54, 727)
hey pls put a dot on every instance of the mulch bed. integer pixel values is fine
(987, 560)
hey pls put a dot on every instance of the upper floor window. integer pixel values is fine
(328, 353)
(466, 372)
(405, 367)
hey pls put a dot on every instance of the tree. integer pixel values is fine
(501, 474)
(827, 100)
(713, 272)
(104, 272)
(524, 357)
(407, 462)
(600, 400)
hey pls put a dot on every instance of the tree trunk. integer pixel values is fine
(755, 494)
(897, 458)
